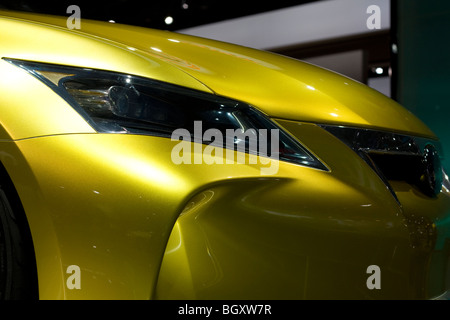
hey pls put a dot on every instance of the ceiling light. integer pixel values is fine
(168, 20)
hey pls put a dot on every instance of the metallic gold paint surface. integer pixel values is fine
(313, 228)
(128, 195)
(29, 108)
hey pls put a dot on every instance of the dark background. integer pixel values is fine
(151, 13)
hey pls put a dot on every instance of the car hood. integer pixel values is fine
(282, 87)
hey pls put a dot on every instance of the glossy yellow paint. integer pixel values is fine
(20, 90)
(129, 195)
(141, 227)
(318, 230)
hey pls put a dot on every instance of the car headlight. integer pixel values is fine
(121, 103)
(393, 156)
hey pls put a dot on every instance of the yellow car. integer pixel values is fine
(144, 164)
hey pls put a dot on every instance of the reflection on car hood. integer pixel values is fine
(279, 86)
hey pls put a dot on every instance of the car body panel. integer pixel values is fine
(20, 90)
(109, 232)
(333, 230)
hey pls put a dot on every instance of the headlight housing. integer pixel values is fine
(394, 156)
(121, 103)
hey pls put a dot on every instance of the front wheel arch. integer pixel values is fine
(18, 272)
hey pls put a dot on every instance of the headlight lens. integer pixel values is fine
(393, 156)
(119, 103)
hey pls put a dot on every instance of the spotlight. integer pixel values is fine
(168, 20)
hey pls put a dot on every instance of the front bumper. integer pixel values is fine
(313, 236)
(141, 227)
